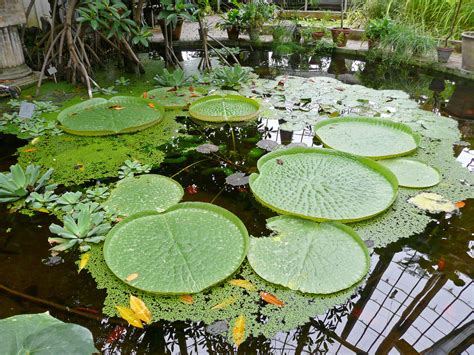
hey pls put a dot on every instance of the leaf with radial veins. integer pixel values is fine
(120, 114)
(369, 137)
(228, 108)
(184, 250)
(175, 98)
(323, 184)
(412, 173)
(308, 256)
(149, 192)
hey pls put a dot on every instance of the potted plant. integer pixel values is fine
(172, 15)
(318, 32)
(468, 50)
(376, 29)
(231, 22)
(445, 52)
(254, 15)
(340, 35)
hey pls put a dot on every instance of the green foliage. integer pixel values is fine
(176, 78)
(122, 81)
(68, 201)
(46, 200)
(412, 173)
(256, 13)
(174, 10)
(112, 18)
(232, 18)
(228, 108)
(232, 77)
(132, 168)
(87, 227)
(19, 183)
(98, 193)
(378, 28)
(41, 334)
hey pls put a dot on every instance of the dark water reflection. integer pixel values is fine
(418, 298)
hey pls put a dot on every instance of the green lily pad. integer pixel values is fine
(41, 334)
(175, 98)
(412, 173)
(369, 137)
(323, 184)
(229, 108)
(120, 114)
(148, 192)
(308, 256)
(187, 249)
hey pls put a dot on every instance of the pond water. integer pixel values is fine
(419, 294)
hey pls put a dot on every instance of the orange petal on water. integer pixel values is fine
(269, 298)
(187, 299)
(151, 105)
(460, 204)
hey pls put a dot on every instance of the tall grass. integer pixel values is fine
(434, 17)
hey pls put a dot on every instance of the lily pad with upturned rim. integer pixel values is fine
(229, 108)
(187, 249)
(374, 138)
(149, 192)
(175, 98)
(412, 173)
(310, 257)
(120, 114)
(323, 184)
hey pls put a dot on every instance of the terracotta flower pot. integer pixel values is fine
(340, 35)
(176, 32)
(233, 33)
(317, 35)
(444, 53)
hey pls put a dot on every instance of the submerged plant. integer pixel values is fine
(131, 168)
(45, 200)
(233, 77)
(175, 78)
(19, 183)
(68, 201)
(85, 228)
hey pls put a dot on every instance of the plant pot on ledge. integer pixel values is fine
(254, 34)
(444, 53)
(340, 35)
(233, 33)
(176, 32)
(468, 50)
(317, 36)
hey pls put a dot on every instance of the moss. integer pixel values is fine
(77, 159)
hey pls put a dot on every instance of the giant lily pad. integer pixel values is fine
(412, 173)
(187, 249)
(148, 192)
(175, 98)
(120, 114)
(308, 256)
(369, 137)
(41, 334)
(323, 184)
(228, 108)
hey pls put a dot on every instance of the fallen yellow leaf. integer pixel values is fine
(226, 302)
(141, 310)
(243, 283)
(131, 277)
(238, 332)
(29, 150)
(187, 299)
(83, 261)
(130, 316)
(150, 105)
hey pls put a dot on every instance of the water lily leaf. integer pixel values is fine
(237, 179)
(141, 310)
(243, 283)
(238, 331)
(149, 192)
(177, 99)
(412, 173)
(369, 137)
(99, 117)
(207, 148)
(129, 315)
(267, 144)
(41, 334)
(229, 108)
(432, 202)
(185, 250)
(310, 257)
(323, 184)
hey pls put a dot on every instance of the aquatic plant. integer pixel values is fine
(120, 114)
(46, 200)
(19, 183)
(42, 334)
(68, 200)
(122, 81)
(132, 168)
(232, 77)
(108, 91)
(194, 255)
(98, 193)
(175, 79)
(175, 99)
(228, 108)
(412, 173)
(79, 231)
